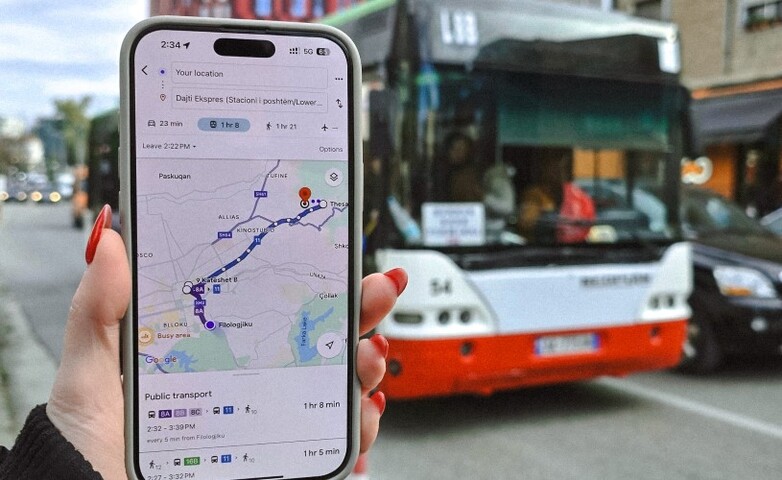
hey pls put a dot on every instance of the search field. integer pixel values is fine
(249, 100)
(272, 76)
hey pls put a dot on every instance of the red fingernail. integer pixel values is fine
(399, 277)
(103, 221)
(381, 344)
(379, 399)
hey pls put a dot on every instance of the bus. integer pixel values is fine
(97, 182)
(522, 162)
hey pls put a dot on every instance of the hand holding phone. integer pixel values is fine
(239, 184)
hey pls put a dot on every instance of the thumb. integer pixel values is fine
(104, 291)
(92, 332)
(86, 402)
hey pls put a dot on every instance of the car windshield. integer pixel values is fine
(705, 213)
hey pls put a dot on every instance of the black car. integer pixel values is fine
(737, 266)
(737, 295)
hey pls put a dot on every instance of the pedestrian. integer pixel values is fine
(78, 434)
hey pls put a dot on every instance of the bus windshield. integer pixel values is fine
(532, 159)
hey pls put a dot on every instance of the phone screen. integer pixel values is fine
(241, 171)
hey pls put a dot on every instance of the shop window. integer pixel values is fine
(762, 15)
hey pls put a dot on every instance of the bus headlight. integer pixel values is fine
(743, 282)
(3, 196)
(55, 197)
(408, 318)
(36, 196)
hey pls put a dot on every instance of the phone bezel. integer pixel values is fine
(127, 205)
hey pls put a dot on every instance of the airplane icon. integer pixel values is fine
(324, 127)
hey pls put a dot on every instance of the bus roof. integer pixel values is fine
(462, 31)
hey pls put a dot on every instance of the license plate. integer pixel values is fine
(566, 344)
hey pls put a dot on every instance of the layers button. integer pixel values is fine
(208, 124)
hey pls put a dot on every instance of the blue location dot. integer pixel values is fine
(210, 325)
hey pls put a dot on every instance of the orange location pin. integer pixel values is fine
(305, 193)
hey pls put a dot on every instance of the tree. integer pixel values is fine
(13, 154)
(75, 127)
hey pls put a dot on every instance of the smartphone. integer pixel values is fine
(240, 207)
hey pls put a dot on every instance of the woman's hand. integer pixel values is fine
(86, 403)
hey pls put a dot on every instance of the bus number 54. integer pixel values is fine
(440, 287)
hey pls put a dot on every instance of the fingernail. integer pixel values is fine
(103, 221)
(399, 277)
(380, 343)
(379, 399)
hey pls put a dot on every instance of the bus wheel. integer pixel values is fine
(701, 354)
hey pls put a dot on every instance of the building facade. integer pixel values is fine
(732, 64)
(291, 10)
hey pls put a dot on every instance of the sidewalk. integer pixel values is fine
(26, 369)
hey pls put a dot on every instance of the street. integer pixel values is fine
(660, 425)
(41, 262)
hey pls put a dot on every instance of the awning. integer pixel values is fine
(742, 118)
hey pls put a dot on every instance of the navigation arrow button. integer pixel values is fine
(330, 344)
(144, 69)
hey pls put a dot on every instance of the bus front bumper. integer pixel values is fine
(484, 365)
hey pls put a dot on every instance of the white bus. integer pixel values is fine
(509, 148)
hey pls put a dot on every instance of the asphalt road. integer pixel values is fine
(658, 425)
(41, 261)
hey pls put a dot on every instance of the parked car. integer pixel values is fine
(737, 295)
(737, 272)
(13, 188)
(773, 222)
(41, 190)
(45, 193)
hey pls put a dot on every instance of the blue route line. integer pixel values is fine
(257, 239)
(199, 289)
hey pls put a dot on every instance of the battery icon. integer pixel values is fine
(323, 51)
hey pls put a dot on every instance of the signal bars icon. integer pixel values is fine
(293, 51)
